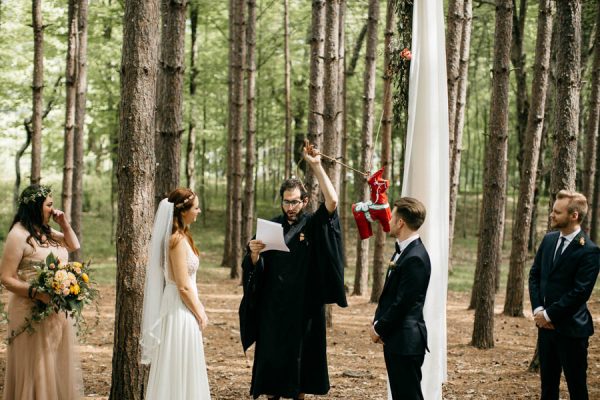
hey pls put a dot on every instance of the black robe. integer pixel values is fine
(283, 312)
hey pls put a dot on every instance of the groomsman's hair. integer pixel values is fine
(291, 184)
(577, 203)
(412, 212)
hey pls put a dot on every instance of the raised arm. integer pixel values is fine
(67, 236)
(178, 258)
(313, 158)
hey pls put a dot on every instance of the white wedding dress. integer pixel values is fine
(178, 368)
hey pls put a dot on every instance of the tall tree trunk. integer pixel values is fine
(456, 21)
(341, 102)
(190, 165)
(71, 95)
(288, 154)
(518, 59)
(79, 136)
(237, 101)
(315, 94)
(361, 277)
(343, 196)
(548, 126)
(37, 90)
(386, 154)
(343, 208)
(28, 133)
(588, 37)
(169, 95)
(459, 118)
(595, 204)
(342, 124)
(114, 134)
(564, 166)
(203, 184)
(494, 183)
(591, 130)
(135, 173)
(331, 97)
(299, 114)
(250, 125)
(331, 110)
(356, 51)
(401, 69)
(566, 124)
(513, 305)
(481, 114)
(227, 262)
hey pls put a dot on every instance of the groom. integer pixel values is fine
(398, 322)
(561, 280)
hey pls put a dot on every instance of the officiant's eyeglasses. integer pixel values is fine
(291, 203)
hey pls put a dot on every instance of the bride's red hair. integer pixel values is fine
(183, 200)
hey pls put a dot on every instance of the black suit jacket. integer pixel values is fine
(564, 288)
(399, 315)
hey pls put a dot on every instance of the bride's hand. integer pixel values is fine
(203, 321)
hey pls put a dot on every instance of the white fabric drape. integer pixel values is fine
(426, 174)
(155, 280)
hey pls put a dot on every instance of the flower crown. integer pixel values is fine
(186, 201)
(42, 191)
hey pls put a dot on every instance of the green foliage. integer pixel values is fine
(208, 108)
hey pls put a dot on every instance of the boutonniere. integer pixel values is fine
(581, 240)
(391, 266)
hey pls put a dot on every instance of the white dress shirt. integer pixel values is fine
(404, 244)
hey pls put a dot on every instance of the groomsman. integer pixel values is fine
(560, 283)
(398, 322)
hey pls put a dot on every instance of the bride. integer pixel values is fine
(174, 317)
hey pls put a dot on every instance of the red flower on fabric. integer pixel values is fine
(406, 54)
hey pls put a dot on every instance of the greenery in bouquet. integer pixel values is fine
(69, 288)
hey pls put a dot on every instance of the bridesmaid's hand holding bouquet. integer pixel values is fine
(64, 286)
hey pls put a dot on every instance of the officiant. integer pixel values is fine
(283, 307)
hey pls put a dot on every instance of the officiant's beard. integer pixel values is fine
(293, 215)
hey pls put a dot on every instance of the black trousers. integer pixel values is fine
(404, 374)
(562, 353)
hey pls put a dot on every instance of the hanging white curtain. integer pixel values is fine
(426, 174)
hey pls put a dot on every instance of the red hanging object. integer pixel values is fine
(376, 209)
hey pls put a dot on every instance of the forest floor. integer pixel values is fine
(356, 365)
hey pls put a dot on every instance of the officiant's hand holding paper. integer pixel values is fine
(271, 235)
(256, 247)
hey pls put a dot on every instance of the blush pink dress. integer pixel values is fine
(43, 365)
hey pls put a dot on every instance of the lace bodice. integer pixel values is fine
(193, 262)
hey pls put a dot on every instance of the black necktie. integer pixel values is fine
(397, 248)
(559, 249)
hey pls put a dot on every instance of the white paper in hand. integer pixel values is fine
(271, 234)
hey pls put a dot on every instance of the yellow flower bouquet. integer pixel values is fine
(69, 287)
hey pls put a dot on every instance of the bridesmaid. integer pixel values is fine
(42, 365)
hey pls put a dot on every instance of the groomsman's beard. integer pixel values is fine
(293, 216)
(554, 224)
